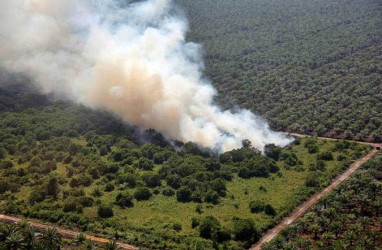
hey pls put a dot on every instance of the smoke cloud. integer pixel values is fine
(131, 59)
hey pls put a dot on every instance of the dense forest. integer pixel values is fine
(349, 218)
(63, 163)
(310, 66)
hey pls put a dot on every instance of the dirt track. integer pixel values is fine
(64, 232)
(303, 208)
(374, 145)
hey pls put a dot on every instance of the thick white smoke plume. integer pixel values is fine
(130, 59)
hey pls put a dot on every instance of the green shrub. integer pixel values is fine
(209, 227)
(142, 193)
(124, 200)
(177, 227)
(256, 206)
(244, 230)
(167, 191)
(183, 194)
(105, 211)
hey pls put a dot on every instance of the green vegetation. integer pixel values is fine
(308, 66)
(68, 165)
(24, 236)
(349, 218)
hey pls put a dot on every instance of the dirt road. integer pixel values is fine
(374, 145)
(303, 208)
(64, 232)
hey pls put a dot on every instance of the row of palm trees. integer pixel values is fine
(22, 236)
(348, 218)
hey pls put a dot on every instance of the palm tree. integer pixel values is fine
(366, 242)
(51, 239)
(89, 245)
(314, 229)
(29, 234)
(339, 245)
(80, 239)
(336, 227)
(112, 245)
(14, 241)
(350, 236)
(374, 234)
(6, 231)
(364, 222)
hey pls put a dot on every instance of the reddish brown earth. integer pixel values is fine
(303, 208)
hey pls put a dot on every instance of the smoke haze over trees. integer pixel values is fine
(133, 61)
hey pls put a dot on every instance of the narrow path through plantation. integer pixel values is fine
(66, 233)
(302, 209)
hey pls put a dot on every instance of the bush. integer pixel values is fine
(183, 194)
(37, 196)
(3, 153)
(142, 193)
(129, 179)
(109, 187)
(212, 197)
(312, 180)
(152, 180)
(124, 200)
(244, 173)
(313, 149)
(105, 211)
(4, 186)
(218, 185)
(97, 192)
(85, 201)
(35, 162)
(145, 164)
(256, 206)
(325, 156)
(168, 191)
(199, 208)
(269, 210)
(244, 230)
(209, 227)
(272, 151)
(71, 206)
(6, 165)
(223, 235)
(174, 181)
(195, 222)
(177, 227)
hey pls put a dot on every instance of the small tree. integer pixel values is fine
(105, 211)
(256, 206)
(124, 200)
(3, 153)
(52, 187)
(269, 210)
(244, 230)
(272, 151)
(142, 193)
(183, 194)
(209, 227)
